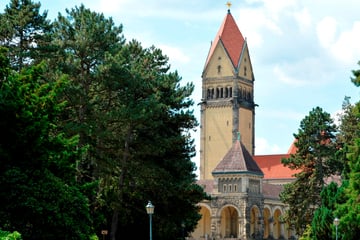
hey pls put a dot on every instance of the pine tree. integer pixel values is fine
(25, 32)
(315, 159)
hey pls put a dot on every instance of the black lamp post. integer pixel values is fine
(150, 211)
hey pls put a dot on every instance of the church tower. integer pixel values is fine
(227, 104)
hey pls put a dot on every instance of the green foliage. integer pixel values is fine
(39, 196)
(315, 159)
(306, 234)
(4, 235)
(356, 76)
(25, 32)
(348, 211)
(322, 222)
(97, 144)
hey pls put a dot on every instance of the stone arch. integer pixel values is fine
(277, 229)
(255, 224)
(229, 221)
(267, 221)
(203, 228)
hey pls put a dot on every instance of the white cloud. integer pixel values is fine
(347, 47)
(303, 19)
(344, 46)
(282, 76)
(175, 54)
(262, 146)
(252, 29)
(326, 30)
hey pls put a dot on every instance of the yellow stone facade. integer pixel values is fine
(222, 116)
(242, 206)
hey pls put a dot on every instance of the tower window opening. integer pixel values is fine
(226, 92)
(221, 92)
(224, 188)
(208, 94)
(245, 71)
(235, 187)
(217, 92)
(229, 187)
(219, 69)
(230, 92)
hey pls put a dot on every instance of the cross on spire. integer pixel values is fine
(228, 4)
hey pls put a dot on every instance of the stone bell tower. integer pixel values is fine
(227, 104)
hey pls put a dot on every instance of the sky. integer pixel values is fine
(302, 51)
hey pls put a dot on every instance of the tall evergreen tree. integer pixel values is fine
(134, 117)
(83, 39)
(153, 114)
(315, 159)
(39, 197)
(25, 32)
(347, 208)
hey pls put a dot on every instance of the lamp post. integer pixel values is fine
(150, 211)
(336, 223)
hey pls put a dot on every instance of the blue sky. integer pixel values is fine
(302, 51)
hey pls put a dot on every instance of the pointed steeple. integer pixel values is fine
(231, 38)
(238, 160)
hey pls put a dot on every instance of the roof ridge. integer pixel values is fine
(238, 160)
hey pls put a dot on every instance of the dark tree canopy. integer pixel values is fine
(315, 158)
(39, 197)
(25, 32)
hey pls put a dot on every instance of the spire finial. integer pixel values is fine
(229, 5)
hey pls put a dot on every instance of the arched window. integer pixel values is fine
(208, 96)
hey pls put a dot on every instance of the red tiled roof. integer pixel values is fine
(237, 160)
(292, 148)
(272, 167)
(231, 38)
